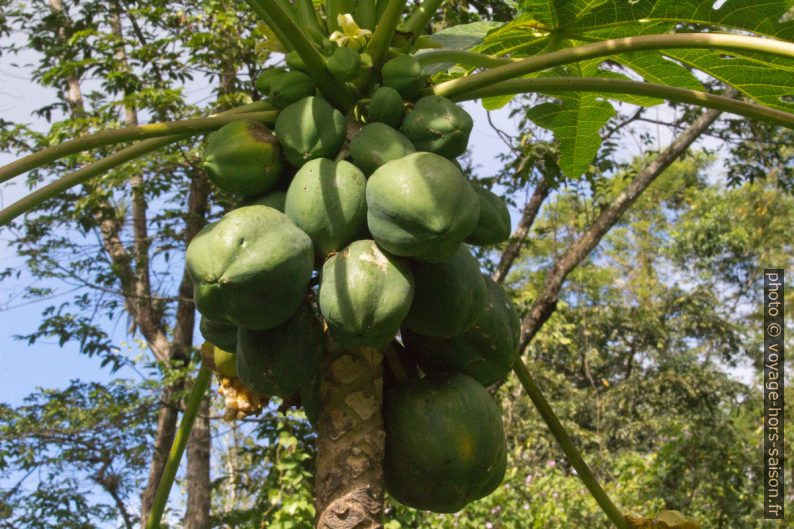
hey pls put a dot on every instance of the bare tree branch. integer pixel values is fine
(528, 217)
(546, 302)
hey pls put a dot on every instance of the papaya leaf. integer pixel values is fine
(464, 36)
(653, 67)
(575, 122)
(771, 83)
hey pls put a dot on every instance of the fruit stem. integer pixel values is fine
(566, 443)
(462, 57)
(275, 16)
(623, 86)
(536, 63)
(178, 447)
(125, 134)
(384, 33)
(116, 159)
(421, 16)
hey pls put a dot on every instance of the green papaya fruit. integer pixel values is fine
(251, 268)
(295, 63)
(344, 64)
(327, 200)
(219, 333)
(365, 295)
(493, 226)
(448, 297)
(290, 88)
(421, 206)
(445, 444)
(377, 143)
(274, 199)
(404, 74)
(225, 361)
(438, 125)
(266, 78)
(243, 157)
(280, 360)
(386, 106)
(309, 129)
(486, 350)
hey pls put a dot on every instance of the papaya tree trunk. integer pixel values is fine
(349, 479)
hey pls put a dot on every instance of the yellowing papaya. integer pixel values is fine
(243, 157)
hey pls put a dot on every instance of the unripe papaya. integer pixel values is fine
(377, 143)
(243, 157)
(445, 444)
(219, 333)
(251, 268)
(290, 88)
(225, 361)
(280, 360)
(448, 297)
(309, 129)
(344, 64)
(265, 79)
(438, 125)
(493, 226)
(404, 74)
(295, 63)
(274, 199)
(365, 295)
(486, 350)
(386, 106)
(421, 206)
(327, 200)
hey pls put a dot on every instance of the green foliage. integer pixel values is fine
(61, 446)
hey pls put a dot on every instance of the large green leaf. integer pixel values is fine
(768, 83)
(575, 122)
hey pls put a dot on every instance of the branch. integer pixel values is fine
(384, 32)
(89, 171)
(546, 301)
(611, 47)
(463, 57)
(78, 177)
(421, 16)
(568, 448)
(178, 447)
(620, 86)
(126, 134)
(337, 93)
(528, 216)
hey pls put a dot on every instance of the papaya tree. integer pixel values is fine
(342, 277)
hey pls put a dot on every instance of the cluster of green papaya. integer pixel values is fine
(364, 223)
